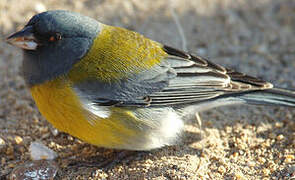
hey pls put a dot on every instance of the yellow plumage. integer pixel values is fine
(60, 105)
(117, 52)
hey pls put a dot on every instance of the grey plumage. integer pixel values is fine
(55, 59)
(274, 96)
(184, 79)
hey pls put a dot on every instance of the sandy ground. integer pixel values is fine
(242, 142)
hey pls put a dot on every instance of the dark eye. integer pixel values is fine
(54, 37)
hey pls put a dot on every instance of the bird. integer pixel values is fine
(115, 88)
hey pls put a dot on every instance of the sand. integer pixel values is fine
(240, 142)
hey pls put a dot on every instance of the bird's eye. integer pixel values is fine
(54, 37)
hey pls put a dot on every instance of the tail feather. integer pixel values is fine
(274, 96)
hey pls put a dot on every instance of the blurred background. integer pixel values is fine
(255, 37)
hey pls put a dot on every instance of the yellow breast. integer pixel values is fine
(60, 105)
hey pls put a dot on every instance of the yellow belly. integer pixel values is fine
(60, 105)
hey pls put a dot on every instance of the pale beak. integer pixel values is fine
(23, 39)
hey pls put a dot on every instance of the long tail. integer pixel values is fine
(274, 96)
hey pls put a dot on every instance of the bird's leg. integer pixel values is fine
(199, 121)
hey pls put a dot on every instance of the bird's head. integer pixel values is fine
(52, 42)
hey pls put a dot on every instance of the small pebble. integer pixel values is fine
(266, 172)
(54, 131)
(2, 142)
(3, 160)
(39, 151)
(35, 170)
(279, 124)
(261, 160)
(235, 154)
(11, 165)
(221, 169)
(239, 176)
(280, 137)
(18, 139)
(289, 159)
(9, 150)
(251, 163)
(70, 138)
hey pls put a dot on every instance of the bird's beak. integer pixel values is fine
(23, 39)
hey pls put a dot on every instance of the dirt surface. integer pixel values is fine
(241, 142)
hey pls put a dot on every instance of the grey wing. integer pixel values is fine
(180, 79)
(199, 79)
(133, 91)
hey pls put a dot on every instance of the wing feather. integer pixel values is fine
(199, 79)
(180, 79)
